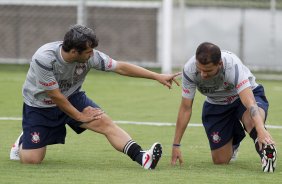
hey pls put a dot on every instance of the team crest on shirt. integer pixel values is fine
(215, 137)
(80, 68)
(79, 71)
(228, 86)
(35, 137)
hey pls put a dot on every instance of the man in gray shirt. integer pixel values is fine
(53, 98)
(233, 96)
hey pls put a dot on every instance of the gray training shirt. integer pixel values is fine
(49, 71)
(224, 87)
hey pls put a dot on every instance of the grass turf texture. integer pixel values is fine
(89, 158)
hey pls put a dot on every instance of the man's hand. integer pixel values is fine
(168, 79)
(264, 138)
(90, 114)
(176, 155)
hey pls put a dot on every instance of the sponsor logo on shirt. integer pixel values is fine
(242, 83)
(186, 91)
(65, 85)
(110, 63)
(204, 89)
(47, 84)
(230, 98)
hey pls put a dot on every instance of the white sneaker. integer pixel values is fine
(15, 150)
(268, 161)
(235, 152)
(152, 156)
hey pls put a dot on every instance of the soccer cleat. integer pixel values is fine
(269, 156)
(235, 152)
(15, 150)
(152, 156)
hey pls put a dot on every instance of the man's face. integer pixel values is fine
(209, 70)
(84, 56)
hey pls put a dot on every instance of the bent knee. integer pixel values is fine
(223, 154)
(31, 161)
(220, 161)
(34, 156)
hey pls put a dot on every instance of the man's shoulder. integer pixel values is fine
(189, 69)
(47, 53)
(190, 65)
(99, 55)
(230, 57)
(50, 45)
(230, 60)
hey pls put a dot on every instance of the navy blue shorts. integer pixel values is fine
(46, 126)
(222, 122)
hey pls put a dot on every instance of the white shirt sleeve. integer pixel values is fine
(101, 61)
(241, 74)
(188, 85)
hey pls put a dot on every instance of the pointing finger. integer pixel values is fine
(177, 74)
(176, 82)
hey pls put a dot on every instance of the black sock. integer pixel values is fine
(133, 150)
(254, 136)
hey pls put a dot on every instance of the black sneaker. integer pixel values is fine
(269, 158)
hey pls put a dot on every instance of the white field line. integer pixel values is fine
(141, 123)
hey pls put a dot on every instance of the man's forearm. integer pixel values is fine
(258, 121)
(181, 125)
(134, 71)
(62, 102)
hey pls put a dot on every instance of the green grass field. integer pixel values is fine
(89, 158)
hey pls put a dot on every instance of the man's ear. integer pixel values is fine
(220, 63)
(73, 51)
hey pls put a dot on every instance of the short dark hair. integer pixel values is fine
(79, 37)
(208, 53)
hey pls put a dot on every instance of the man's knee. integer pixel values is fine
(223, 154)
(31, 160)
(34, 156)
(221, 160)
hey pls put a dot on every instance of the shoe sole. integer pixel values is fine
(269, 158)
(157, 153)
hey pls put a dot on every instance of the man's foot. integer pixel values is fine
(152, 156)
(268, 160)
(15, 150)
(235, 152)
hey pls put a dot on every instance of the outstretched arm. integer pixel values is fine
(131, 70)
(184, 115)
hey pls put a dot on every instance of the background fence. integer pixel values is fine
(125, 31)
(134, 30)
